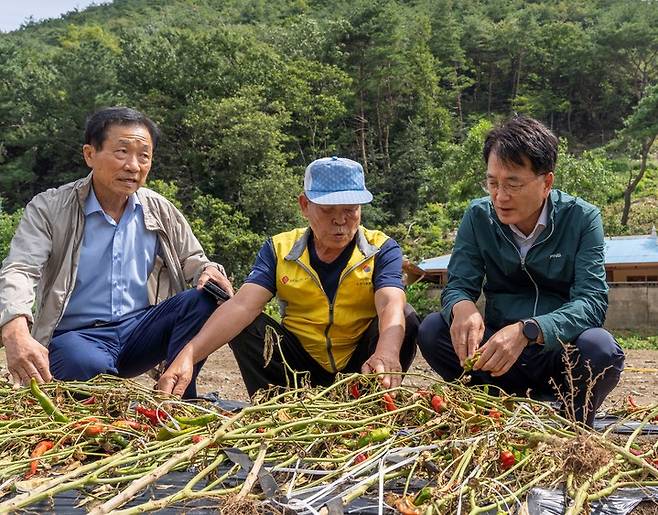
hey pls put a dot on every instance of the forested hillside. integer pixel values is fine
(249, 92)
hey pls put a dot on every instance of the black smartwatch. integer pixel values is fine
(530, 330)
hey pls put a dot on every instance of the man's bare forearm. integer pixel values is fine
(15, 330)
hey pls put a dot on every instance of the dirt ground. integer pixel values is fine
(640, 378)
(220, 374)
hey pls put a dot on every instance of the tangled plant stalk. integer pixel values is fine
(441, 449)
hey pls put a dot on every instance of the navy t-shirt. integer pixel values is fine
(387, 270)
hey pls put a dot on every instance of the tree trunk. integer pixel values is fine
(362, 125)
(634, 181)
(517, 79)
(490, 91)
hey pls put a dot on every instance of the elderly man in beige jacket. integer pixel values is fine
(101, 253)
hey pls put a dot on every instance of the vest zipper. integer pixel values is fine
(523, 259)
(330, 354)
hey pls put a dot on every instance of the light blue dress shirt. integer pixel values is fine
(116, 260)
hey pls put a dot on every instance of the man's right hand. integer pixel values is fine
(466, 329)
(26, 357)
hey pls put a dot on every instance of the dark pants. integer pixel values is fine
(536, 366)
(133, 346)
(248, 350)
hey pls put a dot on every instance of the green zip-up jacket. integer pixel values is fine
(560, 283)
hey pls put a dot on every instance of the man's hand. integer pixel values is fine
(389, 303)
(382, 362)
(502, 350)
(179, 374)
(26, 357)
(466, 329)
(210, 273)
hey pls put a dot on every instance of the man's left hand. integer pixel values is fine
(179, 374)
(502, 350)
(210, 273)
(382, 363)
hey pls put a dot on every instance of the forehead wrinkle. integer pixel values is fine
(136, 141)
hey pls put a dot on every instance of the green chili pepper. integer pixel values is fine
(119, 440)
(425, 494)
(167, 433)
(377, 435)
(469, 362)
(46, 403)
(203, 420)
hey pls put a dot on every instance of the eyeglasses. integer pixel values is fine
(490, 186)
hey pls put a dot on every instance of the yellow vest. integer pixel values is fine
(328, 332)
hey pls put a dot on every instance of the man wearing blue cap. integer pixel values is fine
(340, 292)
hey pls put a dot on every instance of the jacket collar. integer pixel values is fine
(365, 247)
(82, 188)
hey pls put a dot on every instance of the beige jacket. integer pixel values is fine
(45, 251)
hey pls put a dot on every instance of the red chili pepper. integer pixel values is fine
(632, 405)
(197, 438)
(438, 404)
(389, 402)
(39, 450)
(88, 401)
(155, 416)
(92, 426)
(354, 390)
(506, 460)
(495, 414)
(406, 507)
(361, 457)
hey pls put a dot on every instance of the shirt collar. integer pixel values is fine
(92, 205)
(539, 226)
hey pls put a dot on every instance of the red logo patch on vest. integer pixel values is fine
(284, 279)
(366, 268)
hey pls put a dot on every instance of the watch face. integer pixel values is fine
(530, 330)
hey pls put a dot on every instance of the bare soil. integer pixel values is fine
(640, 378)
(221, 374)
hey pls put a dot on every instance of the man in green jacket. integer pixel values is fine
(537, 254)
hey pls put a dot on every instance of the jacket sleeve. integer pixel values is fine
(189, 252)
(588, 296)
(466, 269)
(29, 251)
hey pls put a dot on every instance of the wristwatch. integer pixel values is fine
(530, 330)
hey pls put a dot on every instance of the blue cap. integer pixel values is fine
(336, 180)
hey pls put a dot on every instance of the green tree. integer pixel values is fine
(8, 225)
(638, 135)
(460, 175)
(236, 154)
(589, 175)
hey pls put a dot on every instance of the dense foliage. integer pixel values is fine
(247, 92)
